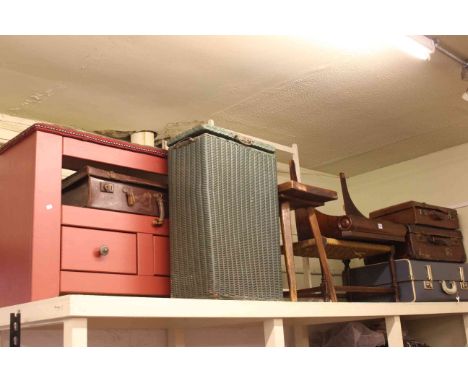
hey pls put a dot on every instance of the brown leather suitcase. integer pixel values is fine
(419, 213)
(428, 243)
(352, 226)
(97, 188)
(434, 244)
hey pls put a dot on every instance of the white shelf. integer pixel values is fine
(77, 312)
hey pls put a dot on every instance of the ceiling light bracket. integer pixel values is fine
(464, 73)
(449, 54)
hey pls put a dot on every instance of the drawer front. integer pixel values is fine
(161, 255)
(84, 250)
(111, 220)
(111, 283)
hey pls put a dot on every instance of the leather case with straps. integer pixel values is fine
(419, 213)
(435, 244)
(428, 243)
(97, 188)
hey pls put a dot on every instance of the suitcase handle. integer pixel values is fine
(439, 241)
(452, 289)
(435, 215)
(158, 197)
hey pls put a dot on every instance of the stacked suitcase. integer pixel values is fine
(430, 264)
(107, 190)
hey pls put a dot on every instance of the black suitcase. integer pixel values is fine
(417, 280)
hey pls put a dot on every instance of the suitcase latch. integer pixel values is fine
(158, 197)
(463, 283)
(448, 252)
(107, 187)
(428, 284)
(130, 196)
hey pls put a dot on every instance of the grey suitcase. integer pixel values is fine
(224, 221)
(418, 280)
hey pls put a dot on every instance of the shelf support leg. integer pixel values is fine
(465, 323)
(75, 332)
(175, 337)
(274, 332)
(394, 332)
(301, 336)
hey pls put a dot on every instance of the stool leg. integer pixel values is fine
(323, 285)
(288, 248)
(322, 254)
(347, 277)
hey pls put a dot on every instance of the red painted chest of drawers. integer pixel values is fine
(47, 249)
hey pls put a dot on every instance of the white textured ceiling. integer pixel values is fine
(352, 112)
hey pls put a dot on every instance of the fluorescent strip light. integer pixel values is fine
(417, 46)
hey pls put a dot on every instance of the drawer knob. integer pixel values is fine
(103, 250)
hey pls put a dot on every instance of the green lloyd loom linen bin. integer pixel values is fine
(224, 222)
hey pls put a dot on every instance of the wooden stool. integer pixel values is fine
(293, 196)
(345, 250)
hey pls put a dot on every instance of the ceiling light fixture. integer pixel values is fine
(458, 60)
(417, 46)
(427, 46)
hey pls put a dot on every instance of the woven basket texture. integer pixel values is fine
(224, 221)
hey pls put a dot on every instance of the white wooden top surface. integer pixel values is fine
(191, 312)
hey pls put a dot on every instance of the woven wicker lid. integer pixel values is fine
(223, 133)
